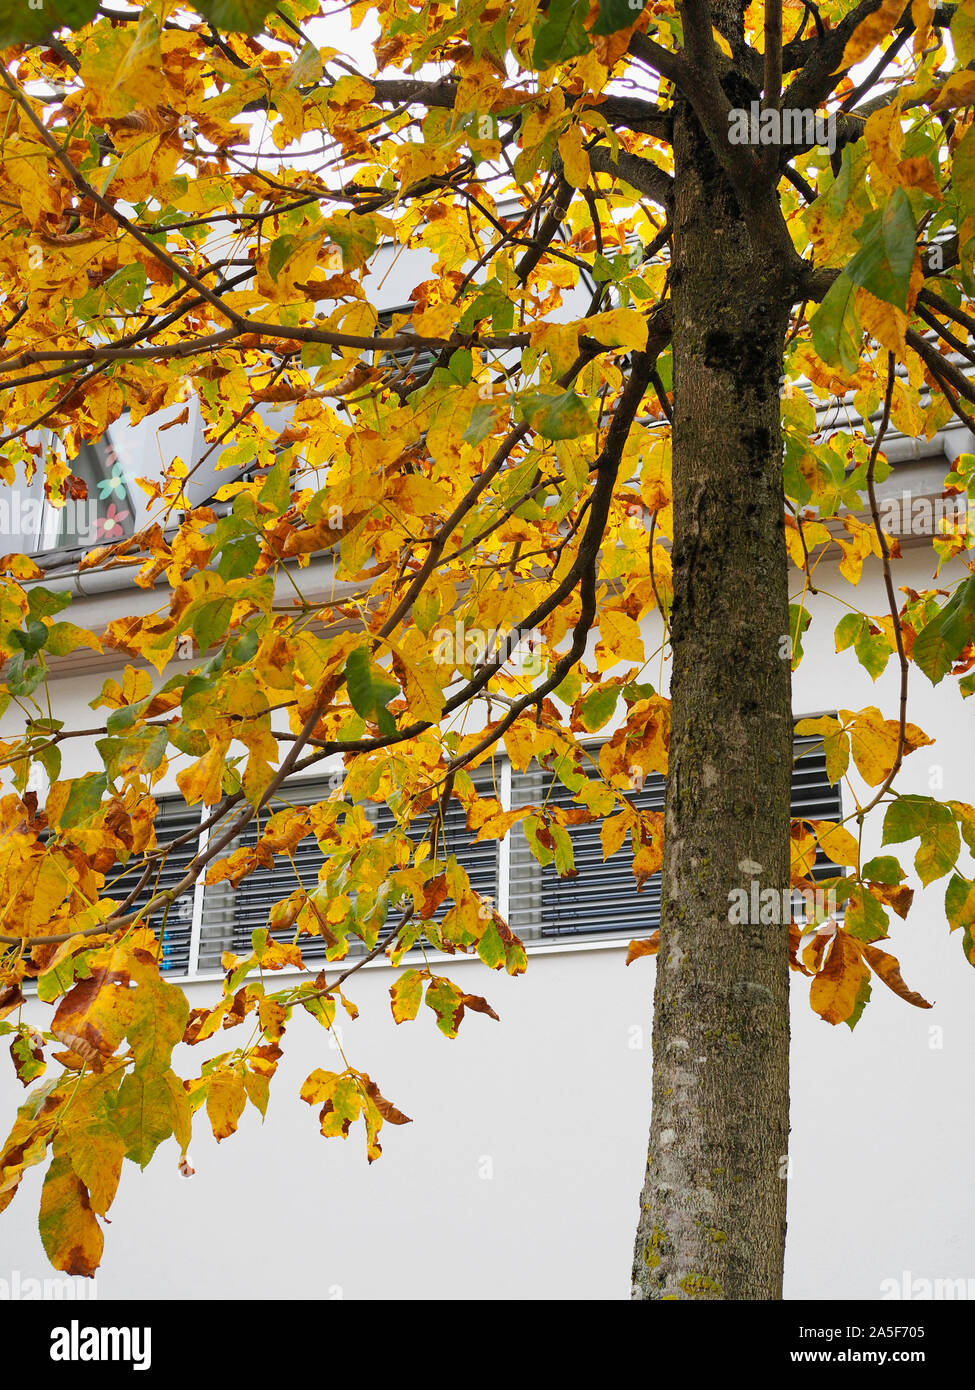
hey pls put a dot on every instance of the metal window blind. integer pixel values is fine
(480, 858)
(231, 914)
(603, 897)
(174, 818)
(419, 360)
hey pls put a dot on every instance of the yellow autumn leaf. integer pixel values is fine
(612, 832)
(203, 781)
(72, 1238)
(620, 640)
(560, 341)
(833, 993)
(874, 743)
(885, 139)
(802, 848)
(226, 1098)
(959, 90)
(922, 15)
(438, 321)
(837, 842)
(626, 328)
(574, 158)
(871, 31)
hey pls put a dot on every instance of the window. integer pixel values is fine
(33, 525)
(603, 897)
(413, 362)
(231, 914)
(173, 820)
(601, 900)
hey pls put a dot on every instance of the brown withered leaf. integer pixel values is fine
(386, 1108)
(180, 419)
(646, 946)
(93, 1016)
(795, 936)
(478, 1005)
(11, 997)
(888, 970)
(434, 893)
(899, 896)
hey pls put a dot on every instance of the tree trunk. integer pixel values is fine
(712, 1221)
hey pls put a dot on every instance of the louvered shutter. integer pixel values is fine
(231, 914)
(480, 858)
(603, 897)
(173, 820)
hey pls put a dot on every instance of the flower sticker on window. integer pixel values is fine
(110, 525)
(113, 484)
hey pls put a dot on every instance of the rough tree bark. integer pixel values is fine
(712, 1221)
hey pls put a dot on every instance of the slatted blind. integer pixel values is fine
(174, 819)
(603, 897)
(480, 858)
(419, 360)
(231, 914)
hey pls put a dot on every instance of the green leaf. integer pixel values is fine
(21, 22)
(884, 262)
(32, 639)
(941, 641)
(616, 14)
(561, 34)
(564, 857)
(491, 948)
(145, 749)
(872, 648)
(484, 420)
(356, 236)
(22, 677)
(799, 620)
(145, 1115)
(911, 817)
(835, 327)
(862, 1000)
(44, 603)
(447, 1002)
(236, 16)
(238, 558)
(562, 416)
(69, 1229)
(158, 1023)
(960, 902)
(865, 918)
(281, 250)
(542, 853)
(211, 620)
(598, 707)
(84, 799)
(963, 162)
(461, 366)
(127, 287)
(121, 719)
(883, 869)
(63, 638)
(370, 690)
(276, 491)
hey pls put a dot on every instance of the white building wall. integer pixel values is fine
(519, 1176)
